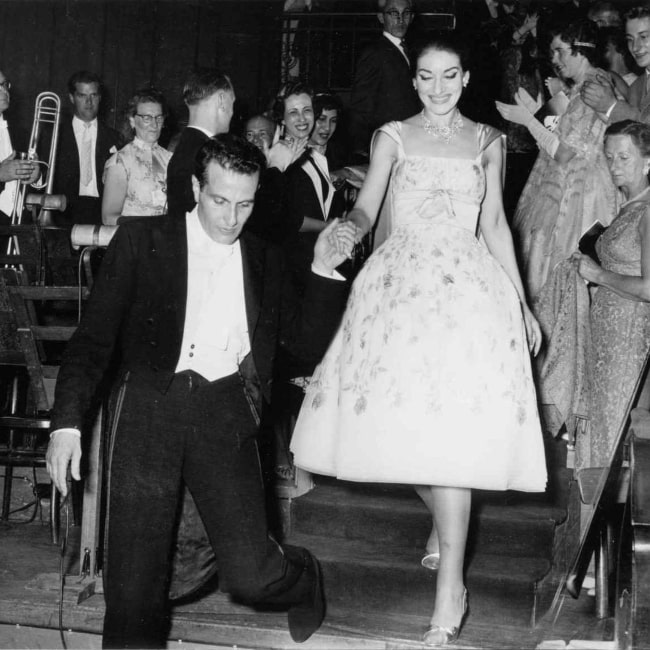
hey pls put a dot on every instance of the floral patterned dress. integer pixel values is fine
(428, 378)
(620, 336)
(145, 166)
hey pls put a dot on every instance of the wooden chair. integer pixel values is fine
(28, 426)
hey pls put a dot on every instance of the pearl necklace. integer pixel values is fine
(445, 133)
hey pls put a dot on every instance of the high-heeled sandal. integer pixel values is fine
(438, 636)
(431, 561)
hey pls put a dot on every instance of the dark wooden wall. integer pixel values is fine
(134, 42)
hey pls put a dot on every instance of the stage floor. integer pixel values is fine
(29, 612)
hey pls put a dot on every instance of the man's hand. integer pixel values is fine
(598, 93)
(334, 245)
(12, 169)
(64, 449)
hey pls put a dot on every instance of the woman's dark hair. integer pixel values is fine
(638, 132)
(581, 35)
(326, 101)
(141, 96)
(231, 152)
(290, 88)
(442, 42)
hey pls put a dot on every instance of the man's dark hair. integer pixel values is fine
(84, 77)
(203, 83)
(231, 152)
(638, 11)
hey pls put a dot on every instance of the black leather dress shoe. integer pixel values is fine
(306, 617)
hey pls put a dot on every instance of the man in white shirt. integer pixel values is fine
(85, 144)
(198, 308)
(12, 170)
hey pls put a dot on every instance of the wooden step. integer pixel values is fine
(373, 577)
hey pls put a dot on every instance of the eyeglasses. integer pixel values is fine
(6, 84)
(407, 14)
(149, 119)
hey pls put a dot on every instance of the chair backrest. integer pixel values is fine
(34, 332)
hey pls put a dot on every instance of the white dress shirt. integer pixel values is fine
(8, 194)
(78, 127)
(215, 335)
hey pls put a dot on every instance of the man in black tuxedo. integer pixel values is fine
(382, 89)
(209, 97)
(85, 144)
(197, 311)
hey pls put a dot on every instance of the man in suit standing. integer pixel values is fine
(599, 93)
(12, 170)
(209, 97)
(85, 144)
(198, 312)
(382, 89)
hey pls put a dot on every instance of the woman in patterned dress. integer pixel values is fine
(135, 177)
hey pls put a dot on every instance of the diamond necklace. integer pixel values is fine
(445, 133)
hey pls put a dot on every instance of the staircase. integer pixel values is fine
(370, 539)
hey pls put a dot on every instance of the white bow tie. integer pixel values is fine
(3, 123)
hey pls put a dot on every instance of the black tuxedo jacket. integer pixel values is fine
(138, 306)
(382, 91)
(66, 175)
(180, 197)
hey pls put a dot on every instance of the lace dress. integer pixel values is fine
(562, 200)
(620, 335)
(428, 378)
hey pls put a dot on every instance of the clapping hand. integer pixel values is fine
(522, 111)
(285, 152)
(598, 93)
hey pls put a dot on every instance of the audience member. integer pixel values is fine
(313, 201)
(210, 98)
(569, 186)
(260, 130)
(617, 58)
(605, 14)
(135, 178)
(382, 89)
(620, 308)
(85, 144)
(600, 94)
(176, 294)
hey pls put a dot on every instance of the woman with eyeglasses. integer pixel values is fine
(570, 185)
(135, 177)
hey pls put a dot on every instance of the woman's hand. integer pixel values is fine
(346, 235)
(586, 267)
(533, 330)
(285, 152)
(519, 113)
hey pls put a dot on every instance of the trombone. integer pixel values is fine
(47, 110)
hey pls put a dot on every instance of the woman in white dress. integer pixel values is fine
(427, 381)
